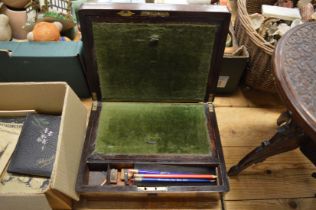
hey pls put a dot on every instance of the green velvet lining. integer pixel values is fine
(153, 62)
(152, 128)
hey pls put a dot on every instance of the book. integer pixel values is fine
(10, 128)
(36, 149)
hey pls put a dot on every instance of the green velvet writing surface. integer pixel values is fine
(153, 62)
(152, 128)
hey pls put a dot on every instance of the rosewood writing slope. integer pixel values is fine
(151, 70)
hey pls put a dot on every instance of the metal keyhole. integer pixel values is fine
(154, 40)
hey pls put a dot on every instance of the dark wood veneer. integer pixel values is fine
(284, 70)
(199, 14)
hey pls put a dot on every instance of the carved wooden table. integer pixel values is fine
(295, 75)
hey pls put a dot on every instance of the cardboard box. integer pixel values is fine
(51, 98)
(43, 62)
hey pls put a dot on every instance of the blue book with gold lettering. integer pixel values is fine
(36, 149)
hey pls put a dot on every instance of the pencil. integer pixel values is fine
(140, 179)
(177, 176)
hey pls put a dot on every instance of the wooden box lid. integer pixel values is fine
(153, 52)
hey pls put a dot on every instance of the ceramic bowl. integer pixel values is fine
(17, 21)
(16, 4)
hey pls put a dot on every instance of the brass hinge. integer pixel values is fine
(94, 106)
(211, 107)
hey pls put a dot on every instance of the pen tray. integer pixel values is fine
(99, 174)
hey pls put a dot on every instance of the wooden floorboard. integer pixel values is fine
(234, 154)
(285, 183)
(123, 204)
(280, 182)
(248, 98)
(273, 204)
(241, 126)
(286, 175)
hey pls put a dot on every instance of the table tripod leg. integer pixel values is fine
(288, 137)
(308, 148)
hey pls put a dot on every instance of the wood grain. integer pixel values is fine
(295, 157)
(145, 204)
(244, 97)
(241, 126)
(286, 175)
(287, 183)
(273, 204)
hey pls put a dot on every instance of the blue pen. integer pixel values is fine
(140, 171)
(139, 179)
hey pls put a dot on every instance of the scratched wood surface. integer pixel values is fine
(283, 182)
(184, 204)
(273, 204)
(248, 98)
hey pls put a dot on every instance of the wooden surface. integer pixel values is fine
(273, 204)
(283, 182)
(295, 74)
(179, 204)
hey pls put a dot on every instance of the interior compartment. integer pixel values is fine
(98, 174)
(153, 128)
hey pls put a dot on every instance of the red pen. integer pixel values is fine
(179, 176)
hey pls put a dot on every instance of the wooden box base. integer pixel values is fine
(94, 172)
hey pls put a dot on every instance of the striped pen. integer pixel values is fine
(176, 176)
(141, 179)
(140, 171)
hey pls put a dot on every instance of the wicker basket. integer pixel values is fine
(259, 73)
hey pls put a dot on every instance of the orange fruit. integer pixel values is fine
(45, 31)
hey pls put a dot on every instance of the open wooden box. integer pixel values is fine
(152, 70)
